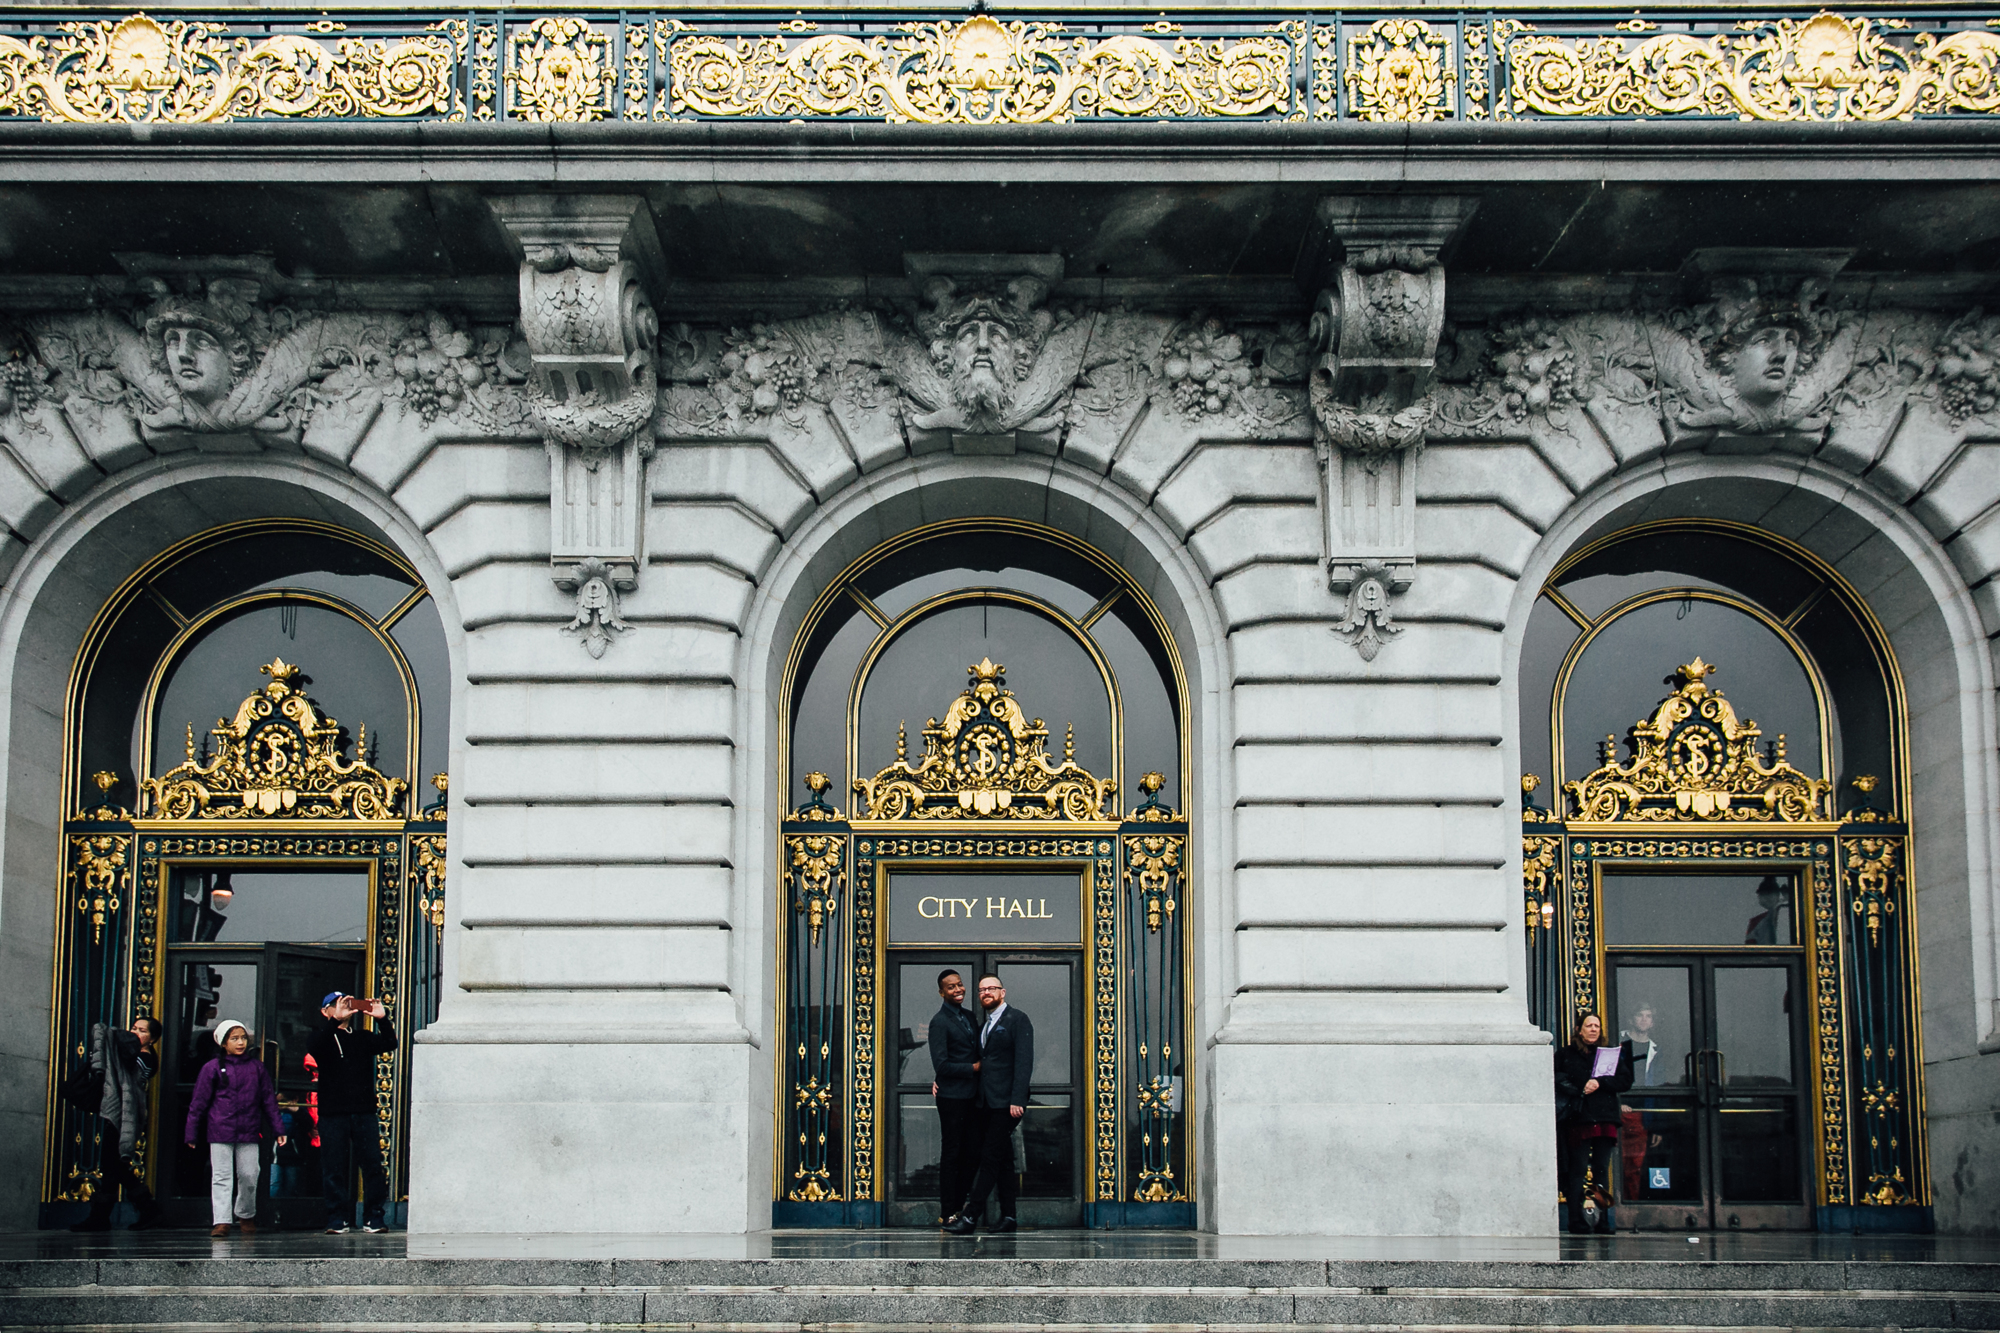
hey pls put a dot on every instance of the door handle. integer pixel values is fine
(1721, 1074)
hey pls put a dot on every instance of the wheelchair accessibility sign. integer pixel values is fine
(1659, 1177)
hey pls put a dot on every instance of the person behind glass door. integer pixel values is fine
(1587, 1112)
(1773, 925)
(1648, 1069)
(1007, 1064)
(955, 1058)
(234, 1102)
(125, 1061)
(345, 1056)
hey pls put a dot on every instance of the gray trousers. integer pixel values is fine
(232, 1168)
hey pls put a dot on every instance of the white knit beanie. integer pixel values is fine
(221, 1033)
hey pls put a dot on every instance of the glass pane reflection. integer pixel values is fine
(1618, 678)
(210, 992)
(1654, 1014)
(231, 906)
(919, 1146)
(1753, 1025)
(1760, 1150)
(1048, 1134)
(1658, 1150)
(1671, 909)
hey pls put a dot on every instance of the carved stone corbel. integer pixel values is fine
(1375, 327)
(586, 264)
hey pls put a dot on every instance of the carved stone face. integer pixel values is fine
(198, 363)
(1762, 369)
(984, 360)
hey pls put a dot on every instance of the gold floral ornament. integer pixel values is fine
(559, 69)
(141, 71)
(985, 760)
(1694, 759)
(1824, 68)
(979, 72)
(813, 863)
(1400, 70)
(278, 758)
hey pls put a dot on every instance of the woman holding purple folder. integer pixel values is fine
(1589, 1078)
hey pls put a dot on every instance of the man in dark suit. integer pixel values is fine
(1006, 1063)
(955, 1060)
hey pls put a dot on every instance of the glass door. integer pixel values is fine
(276, 990)
(204, 986)
(1044, 985)
(1712, 1134)
(297, 978)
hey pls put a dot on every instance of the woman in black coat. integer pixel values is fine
(1587, 1115)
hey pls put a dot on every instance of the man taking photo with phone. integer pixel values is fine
(345, 1057)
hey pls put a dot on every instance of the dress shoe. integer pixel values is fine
(247, 1225)
(1006, 1224)
(961, 1226)
(218, 1231)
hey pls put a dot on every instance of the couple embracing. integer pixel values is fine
(983, 1067)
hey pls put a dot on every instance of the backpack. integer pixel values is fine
(83, 1089)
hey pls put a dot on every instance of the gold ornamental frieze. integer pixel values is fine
(1827, 67)
(1781, 63)
(139, 70)
(278, 758)
(1695, 759)
(981, 72)
(985, 760)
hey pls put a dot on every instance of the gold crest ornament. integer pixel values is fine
(985, 760)
(1694, 759)
(559, 69)
(1400, 70)
(279, 758)
(139, 70)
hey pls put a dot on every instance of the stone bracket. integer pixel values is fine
(587, 264)
(1376, 260)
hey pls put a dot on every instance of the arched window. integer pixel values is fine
(894, 636)
(1720, 869)
(1000, 711)
(249, 725)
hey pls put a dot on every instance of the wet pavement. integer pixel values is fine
(1754, 1247)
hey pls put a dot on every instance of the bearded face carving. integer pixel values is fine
(996, 359)
(982, 366)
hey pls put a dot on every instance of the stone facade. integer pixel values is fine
(1343, 484)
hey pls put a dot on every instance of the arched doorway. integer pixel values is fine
(1003, 712)
(1727, 879)
(244, 728)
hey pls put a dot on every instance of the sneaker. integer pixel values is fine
(372, 1227)
(337, 1227)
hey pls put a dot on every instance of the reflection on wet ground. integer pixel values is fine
(1114, 1245)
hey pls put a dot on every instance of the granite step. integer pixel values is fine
(966, 1294)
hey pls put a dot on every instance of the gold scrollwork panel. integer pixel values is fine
(139, 70)
(1824, 68)
(979, 72)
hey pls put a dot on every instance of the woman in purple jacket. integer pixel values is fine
(233, 1104)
